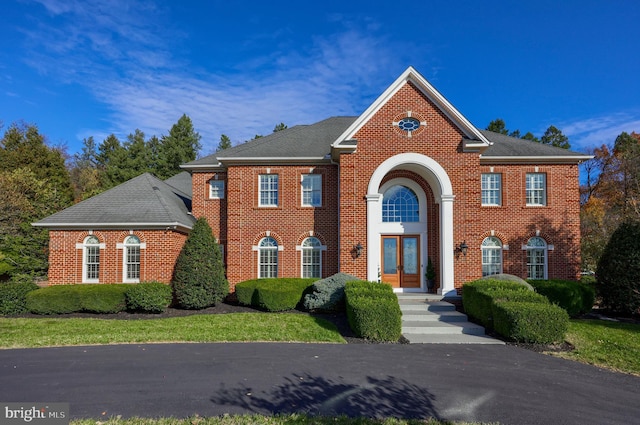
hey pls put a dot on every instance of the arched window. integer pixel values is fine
(311, 257)
(400, 204)
(131, 259)
(91, 269)
(268, 257)
(536, 258)
(491, 256)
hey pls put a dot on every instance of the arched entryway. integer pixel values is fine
(404, 240)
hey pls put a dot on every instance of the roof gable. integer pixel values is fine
(144, 201)
(474, 139)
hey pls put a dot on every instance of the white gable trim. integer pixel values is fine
(477, 139)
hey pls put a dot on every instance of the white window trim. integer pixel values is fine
(258, 248)
(220, 192)
(498, 248)
(301, 248)
(260, 177)
(499, 189)
(317, 177)
(546, 250)
(84, 247)
(544, 190)
(123, 246)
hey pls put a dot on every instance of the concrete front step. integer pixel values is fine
(433, 316)
(436, 327)
(414, 305)
(450, 339)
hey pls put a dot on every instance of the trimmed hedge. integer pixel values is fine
(575, 297)
(62, 299)
(530, 322)
(150, 297)
(13, 297)
(328, 294)
(478, 298)
(275, 294)
(373, 311)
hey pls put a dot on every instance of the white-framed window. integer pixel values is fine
(491, 187)
(267, 257)
(311, 190)
(91, 264)
(491, 256)
(268, 193)
(131, 261)
(536, 258)
(400, 204)
(312, 257)
(216, 189)
(536, 189)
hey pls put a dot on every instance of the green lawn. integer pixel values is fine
(273, 327)
(267, 420)
(611, 345)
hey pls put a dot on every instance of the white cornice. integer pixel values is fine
(566, 159)
(470, 131)
(99, 226)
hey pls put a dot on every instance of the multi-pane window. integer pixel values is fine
(311, 257)
(91, 259)
(268, 196)
(268, 258)
(536, 189)
(311, 190)
(536, 258)
(400, 204)
(491, 256)
(131, 259)
(491, 189)
(216, 189)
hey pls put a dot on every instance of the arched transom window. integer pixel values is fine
(131, 259)
(267, 257)
(91, 260)
(400, 204)
(311, 257)
(491, 256)
(536, 258)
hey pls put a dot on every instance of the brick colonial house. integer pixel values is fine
(376, 196)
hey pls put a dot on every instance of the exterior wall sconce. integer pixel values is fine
(462, 248)
(358, 249)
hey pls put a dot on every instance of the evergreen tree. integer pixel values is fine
(225, 143)
(554, 137)
(280, 127)
(179, 147)
(199, 280)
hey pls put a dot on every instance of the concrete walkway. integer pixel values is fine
(427, 319)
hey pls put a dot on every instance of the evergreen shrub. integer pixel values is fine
(575, 297)
(328, 294)
(479, 296)
(373, 311)
(63, 299)
(618, 269)
(199, 280)
(150, 297)
(274, 294)
(13, 297)
(536, 323)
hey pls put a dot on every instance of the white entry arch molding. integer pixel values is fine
(438, 179)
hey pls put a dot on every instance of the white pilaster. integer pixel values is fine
(374, 210)
(447, 276)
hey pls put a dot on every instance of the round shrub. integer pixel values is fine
(150, 297)
(509, 278)
(63, 299)
(13, 297)
(618, 269)
(328, 294)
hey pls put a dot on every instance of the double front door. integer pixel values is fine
(401, 260)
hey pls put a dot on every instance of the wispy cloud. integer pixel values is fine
(119, 54)
(595, 131)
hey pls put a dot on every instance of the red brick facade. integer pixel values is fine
(434, 160)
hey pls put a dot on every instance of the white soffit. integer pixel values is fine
(428, 90)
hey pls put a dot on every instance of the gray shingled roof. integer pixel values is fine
(144, 201)
(512, 146)
(300, 141)
(182, 182)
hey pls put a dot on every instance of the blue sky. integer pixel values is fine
(80, 68)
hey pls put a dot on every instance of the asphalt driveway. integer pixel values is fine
(485, 383)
